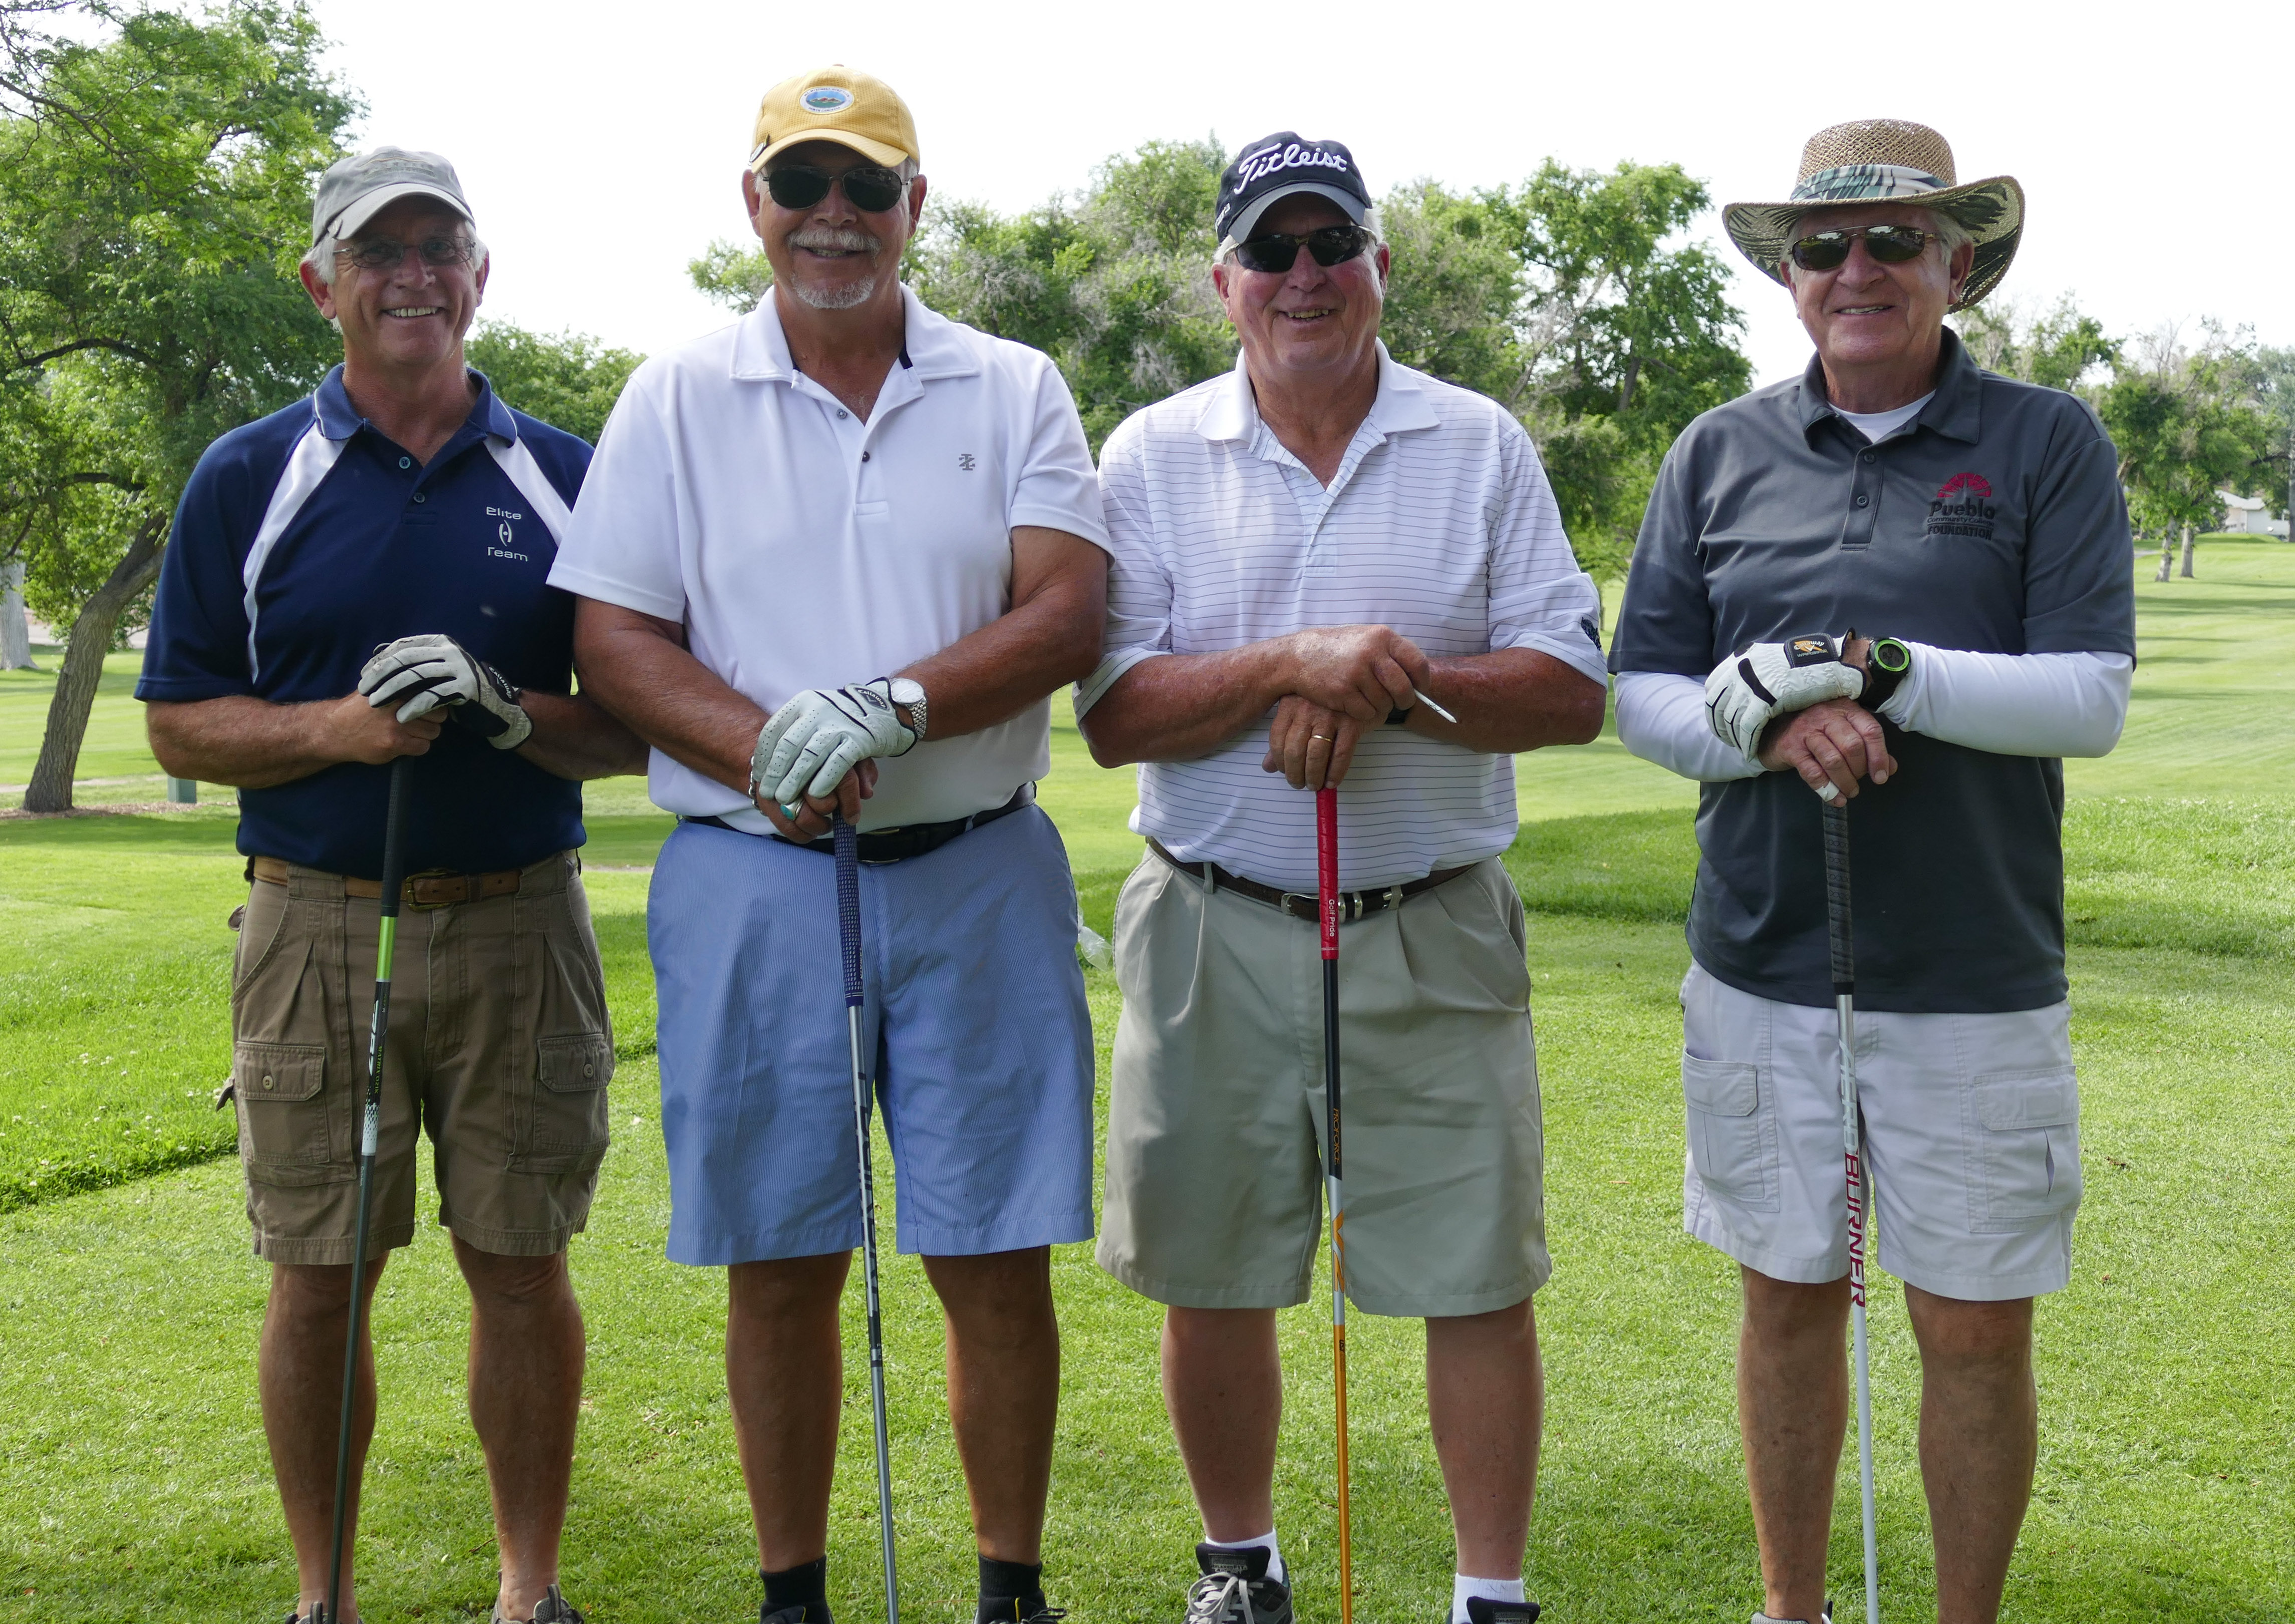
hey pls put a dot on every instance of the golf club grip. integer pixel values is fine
(848, 908)
(1837, 917)
(1326, 868)
(394, 838)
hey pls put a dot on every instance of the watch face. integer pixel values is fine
(908, 690)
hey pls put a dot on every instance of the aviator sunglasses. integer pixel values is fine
(1891, 245)
(1278, 252)
(871, 188)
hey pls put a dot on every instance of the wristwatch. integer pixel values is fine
(1887, 664)
(909, 694)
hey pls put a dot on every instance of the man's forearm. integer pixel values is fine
(241, 741)
(639, 669)
(576, 738)
(994, 674)
(1180, 706)
(1511, 701)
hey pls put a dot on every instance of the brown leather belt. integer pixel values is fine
(1304, 904)
(421, 891)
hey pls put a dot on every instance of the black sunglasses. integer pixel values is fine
(1331, 245)
(1891, 245)
(871, 188)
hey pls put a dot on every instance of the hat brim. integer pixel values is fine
(361, 209)
(1991, 210)
(1240, 228)
(875, 151)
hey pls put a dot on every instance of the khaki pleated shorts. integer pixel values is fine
(499, 1052)
(1214, 1137)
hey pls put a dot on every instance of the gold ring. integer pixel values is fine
(1323, 738)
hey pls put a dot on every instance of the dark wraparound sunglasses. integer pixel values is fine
(871, 188)
(1332, 245)
(1891, 245)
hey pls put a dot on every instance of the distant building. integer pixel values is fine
(2249, 516)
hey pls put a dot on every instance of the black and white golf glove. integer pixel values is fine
(822, 734)
(1746, 693)
(421, 675)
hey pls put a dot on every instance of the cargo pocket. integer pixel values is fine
(2025, 1148)
(1733, 1141)
(284, 1136)
(565, 1126)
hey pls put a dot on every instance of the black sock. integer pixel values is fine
(1013, 1591)
(804, 1585)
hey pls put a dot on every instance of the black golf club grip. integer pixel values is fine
(393, 836)
(848, 908)
(1837, 917)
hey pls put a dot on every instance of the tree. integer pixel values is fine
(569, 380)
(154, 191)
(2186, 423)
(2059, 349)
(2272, 378)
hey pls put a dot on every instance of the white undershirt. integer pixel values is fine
(1877, 426)
(2007, 704)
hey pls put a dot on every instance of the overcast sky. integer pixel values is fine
(601, 144)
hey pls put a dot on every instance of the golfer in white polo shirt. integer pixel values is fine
(1299, 545)
(880, 530)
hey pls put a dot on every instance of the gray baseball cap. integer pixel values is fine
(354, 189)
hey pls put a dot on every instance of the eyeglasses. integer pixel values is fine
(1891, 245)
(382, 254)
(1277, 252)
(871, 188)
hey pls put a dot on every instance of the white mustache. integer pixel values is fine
(827, 237)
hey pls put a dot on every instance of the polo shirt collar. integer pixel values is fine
(1400, 405)
(1955, 410)
(931, 347)
(339, 419)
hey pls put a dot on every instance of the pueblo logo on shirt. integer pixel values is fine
(1963, 507)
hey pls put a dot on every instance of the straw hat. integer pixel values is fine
(1873, 160)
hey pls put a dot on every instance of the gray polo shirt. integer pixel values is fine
(1992, 521)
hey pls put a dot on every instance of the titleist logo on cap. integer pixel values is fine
(1292, 155)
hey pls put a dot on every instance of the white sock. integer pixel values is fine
(1488, 1589)
(1275, 1570)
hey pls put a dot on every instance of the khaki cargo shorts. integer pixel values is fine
(500, 1050)
(1214, 1132)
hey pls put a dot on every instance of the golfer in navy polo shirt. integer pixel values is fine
(1971, 528)
(359, 578)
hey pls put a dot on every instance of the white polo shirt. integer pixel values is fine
(801, 547)
(1439, 523)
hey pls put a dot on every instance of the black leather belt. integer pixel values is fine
(904, 841)
(1304, 904)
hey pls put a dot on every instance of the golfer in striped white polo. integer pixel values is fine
(1300, 549)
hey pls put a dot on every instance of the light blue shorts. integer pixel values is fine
(974, 1015)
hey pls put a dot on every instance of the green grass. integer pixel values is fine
(134, 1482)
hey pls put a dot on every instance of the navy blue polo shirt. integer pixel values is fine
(380, 547)
(1992, 521)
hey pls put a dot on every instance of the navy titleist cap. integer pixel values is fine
(1276, 167)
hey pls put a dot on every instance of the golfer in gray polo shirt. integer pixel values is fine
(1903, 581)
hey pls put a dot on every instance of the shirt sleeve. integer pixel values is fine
(2072, 704)
(1539, 599)
(1662, 718)
(622, 547)
(1056, 487)
(1139, 587)
(1666, 621)
(2080, 590)
(198, 646)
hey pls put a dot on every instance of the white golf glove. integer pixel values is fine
(822, 734)
(421, 675)
(1745, 694)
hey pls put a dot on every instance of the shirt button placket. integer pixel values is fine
(1864, 502)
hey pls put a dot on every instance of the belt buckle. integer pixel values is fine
(409, 897)
(1315, 905)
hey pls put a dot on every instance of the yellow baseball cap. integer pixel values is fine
(834, 103)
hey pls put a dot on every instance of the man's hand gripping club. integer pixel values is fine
(1343, 679)
(817, 753)
(433, 672)
(1794, 705)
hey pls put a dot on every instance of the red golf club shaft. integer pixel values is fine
(1327, 877)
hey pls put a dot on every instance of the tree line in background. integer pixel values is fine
(155, 175)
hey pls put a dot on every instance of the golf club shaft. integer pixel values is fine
(1326, 877)
(394, 880)
(848, 925)
(1839, 928)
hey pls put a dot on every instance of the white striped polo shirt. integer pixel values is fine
(1439, 523)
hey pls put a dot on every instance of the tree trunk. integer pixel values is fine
(15, 636)
(2186, 571)
(90, 639)
(2166, 555)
